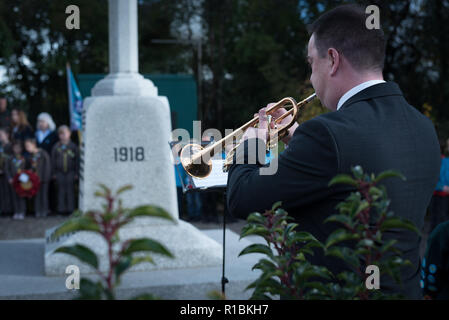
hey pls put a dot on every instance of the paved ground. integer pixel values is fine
(33, 228)
(22, 274)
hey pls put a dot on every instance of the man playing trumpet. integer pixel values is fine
(371, 125)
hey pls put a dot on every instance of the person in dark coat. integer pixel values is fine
(15, 164)
(20, 127)
(46, 135)
(5, 188)
(371, 125)
(5, 117)
(46, 138)
(39, 162)
(65, 166)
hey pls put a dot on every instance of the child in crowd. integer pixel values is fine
(435, 265)
(65, 162)
(5, 144)
(5, 188)
(39, 162)
(14, 165)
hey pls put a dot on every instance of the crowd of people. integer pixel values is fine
(434, 267)
(48, 152)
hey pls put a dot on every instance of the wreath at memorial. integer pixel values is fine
(26, 183)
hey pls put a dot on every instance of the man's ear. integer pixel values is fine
(334, 60)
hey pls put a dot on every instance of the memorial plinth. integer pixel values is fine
(125, 141)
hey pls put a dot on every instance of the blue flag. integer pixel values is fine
(75, 102)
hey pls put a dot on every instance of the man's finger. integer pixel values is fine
(263, 119)
(279, 112)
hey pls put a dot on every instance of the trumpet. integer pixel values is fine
(196, 159)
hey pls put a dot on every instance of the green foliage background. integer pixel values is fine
(253, 51)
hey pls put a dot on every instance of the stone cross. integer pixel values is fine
(126, 141)
(124, 77)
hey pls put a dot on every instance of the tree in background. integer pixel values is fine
(256, 56)
(36, 46)
(253, 51)
(39, 45)
(262, 56)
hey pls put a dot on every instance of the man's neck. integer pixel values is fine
(355, 80)
(358, 79)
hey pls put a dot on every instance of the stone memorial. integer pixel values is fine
(127, 128)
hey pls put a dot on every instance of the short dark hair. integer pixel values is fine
(344, 28)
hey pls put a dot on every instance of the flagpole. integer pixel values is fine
(71, 106)
(70, 93)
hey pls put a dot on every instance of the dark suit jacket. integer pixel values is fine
(376, 129)
(48, 143)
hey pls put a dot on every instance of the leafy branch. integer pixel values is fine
(121, 256)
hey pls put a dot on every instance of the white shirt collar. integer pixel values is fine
(356, 90)
(41, 135)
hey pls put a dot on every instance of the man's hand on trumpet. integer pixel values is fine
(261, 131)
(278, 113)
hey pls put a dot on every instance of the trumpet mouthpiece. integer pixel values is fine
(308, 99)
(311, 97)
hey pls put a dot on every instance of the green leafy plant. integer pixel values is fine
(286, 272)
(364, 218)
(121, 255)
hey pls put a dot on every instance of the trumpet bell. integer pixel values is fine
(196, 160)
(198, 168)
